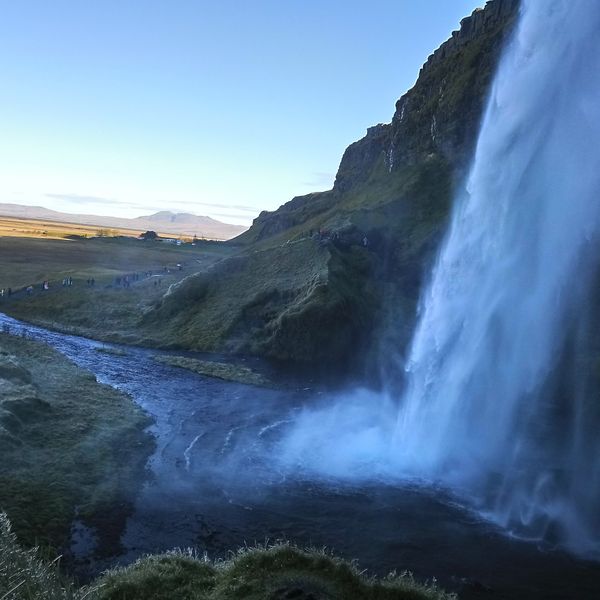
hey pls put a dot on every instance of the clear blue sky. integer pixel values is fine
(222, 107)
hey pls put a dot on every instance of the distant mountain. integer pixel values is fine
(164, 222)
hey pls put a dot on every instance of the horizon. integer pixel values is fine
(136, 216)
(123, 122)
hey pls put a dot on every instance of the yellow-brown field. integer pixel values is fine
(34, 228)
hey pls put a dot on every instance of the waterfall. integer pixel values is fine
(478, 412)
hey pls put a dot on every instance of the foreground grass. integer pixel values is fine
(24, 575)
(264, 573)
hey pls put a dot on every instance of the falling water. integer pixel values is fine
(478, 412)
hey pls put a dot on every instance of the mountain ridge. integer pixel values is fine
(166, 222)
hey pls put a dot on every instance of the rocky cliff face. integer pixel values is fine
(441, 113)
(439, 116)
(381, 222)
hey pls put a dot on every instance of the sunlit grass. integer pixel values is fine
(26, 575)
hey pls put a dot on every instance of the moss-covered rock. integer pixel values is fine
(69, 445)
(219, 370)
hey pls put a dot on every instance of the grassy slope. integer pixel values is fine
(105, 311)
(279, 302)
(66, 443)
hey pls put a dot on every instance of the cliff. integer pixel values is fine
(439, 117)
(349, 261)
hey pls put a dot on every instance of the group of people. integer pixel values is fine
(122, 280)
(127, 280)
(326, 235)
(44, 286)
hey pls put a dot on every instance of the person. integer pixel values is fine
(9, 292)
(365, 241)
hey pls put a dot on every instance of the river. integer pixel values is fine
(215, 484)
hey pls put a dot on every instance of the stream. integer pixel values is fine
(215, 484)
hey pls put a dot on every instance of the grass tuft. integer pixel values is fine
(269, 572)
(25, 575)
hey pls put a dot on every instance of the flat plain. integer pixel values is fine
(28, 259)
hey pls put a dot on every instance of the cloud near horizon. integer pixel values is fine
(88, 199)
(83, 199)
